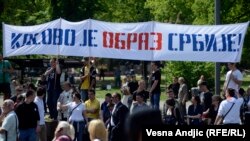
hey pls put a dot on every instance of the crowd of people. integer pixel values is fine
(82, 117)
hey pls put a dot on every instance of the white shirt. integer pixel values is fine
(77, 113)
(65, 98)
(40, 105)
(10, 124)
(111, 120)
(231, 84)
(234, 115)
(139, 107)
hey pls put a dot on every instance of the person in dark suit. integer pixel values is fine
(118, 117)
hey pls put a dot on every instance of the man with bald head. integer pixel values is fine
(10, 123)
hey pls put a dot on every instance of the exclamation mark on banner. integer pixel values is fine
(239, 41)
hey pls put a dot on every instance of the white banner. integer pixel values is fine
(136, 41)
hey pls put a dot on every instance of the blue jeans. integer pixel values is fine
(84, 95)
(155, 100)
(78, 126)
(27, 135)
(52, 103)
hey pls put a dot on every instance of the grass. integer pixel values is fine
(101, 93)
(101, 88)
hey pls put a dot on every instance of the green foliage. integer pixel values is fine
(74, 10)
(191, 71)
(203, 11)
(200, 12)
(223, 70)
(24, 12)
(122, 11)
(21, 12)
(245, 63)
(234, 11)
(172, 11)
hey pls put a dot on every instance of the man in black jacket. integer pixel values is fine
(118, 117)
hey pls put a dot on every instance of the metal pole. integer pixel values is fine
(217, 65)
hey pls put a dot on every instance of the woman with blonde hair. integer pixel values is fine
(97, 130)
(64, 132)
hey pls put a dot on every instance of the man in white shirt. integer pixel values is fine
(64, 98)
(229, 110)
(39, 102)
(9, 126)
(233, 79)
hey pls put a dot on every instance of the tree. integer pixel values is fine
(74, 10)
(123, 11)
(191, 71)
(171, 11)
(19, 12)
(199, 12)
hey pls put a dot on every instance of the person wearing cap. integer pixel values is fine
(205, 96)
(5, 71)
